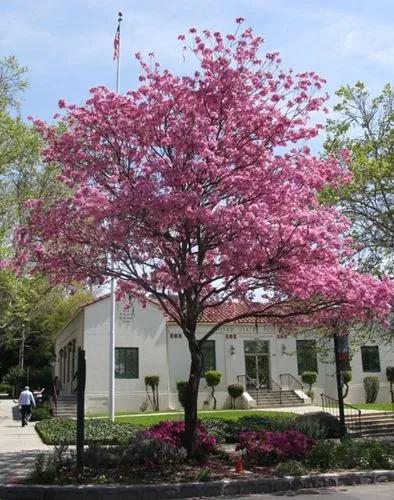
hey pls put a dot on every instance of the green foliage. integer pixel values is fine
(12, 81)
(152, 380)
(213, 377)
(371, 388)
(351, 454)
(153, 454)
(318, 425)
(48, 467)
(41, 412)
(182, 387)
(63, 431)
(365, 128)
(6, 389)
(205, 475)
(235, 391)
(291, 468)
(228, 431)
(309, 378)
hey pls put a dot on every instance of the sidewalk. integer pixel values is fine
(19, 445)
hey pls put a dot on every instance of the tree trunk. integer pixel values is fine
(213, 397)
(189, 440)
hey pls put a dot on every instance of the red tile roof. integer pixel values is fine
(215, 314)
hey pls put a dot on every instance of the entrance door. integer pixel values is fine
(256, 363)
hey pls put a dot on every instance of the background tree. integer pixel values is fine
(365, 128)
(200, 191)
(32, 310)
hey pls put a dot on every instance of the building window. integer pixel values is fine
(209, 356)
(306, 356)
(370, 358)
(126, 362)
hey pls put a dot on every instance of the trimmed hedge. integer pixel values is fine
(64, 431)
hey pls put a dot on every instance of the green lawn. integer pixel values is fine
(225, 414)
(374, 406)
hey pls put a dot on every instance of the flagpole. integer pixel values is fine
(112, 327)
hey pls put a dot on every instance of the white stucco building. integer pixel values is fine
(148, 344)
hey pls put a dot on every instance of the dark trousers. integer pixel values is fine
(26, 411)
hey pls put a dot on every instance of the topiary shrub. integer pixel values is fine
(318, 425)
(181, 387)
(235, 391)
(213, 378)
(309, 378)
(346, 377)
(371, 388)
(152, 390)
(390, 378)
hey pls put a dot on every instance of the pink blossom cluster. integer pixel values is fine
(200, 189)
(172, 432)
(269, 447)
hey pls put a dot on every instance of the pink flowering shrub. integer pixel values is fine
(269, 447)
(172, 432)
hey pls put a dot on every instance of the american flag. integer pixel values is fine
(117, 43)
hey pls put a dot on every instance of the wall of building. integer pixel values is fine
(71, 336)
(143, 328)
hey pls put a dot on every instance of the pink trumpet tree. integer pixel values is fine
(200, 190)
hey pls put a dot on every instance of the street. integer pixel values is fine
(379, 491)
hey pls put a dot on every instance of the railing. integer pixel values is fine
(269, 384)
(352, 414)
(292, 383)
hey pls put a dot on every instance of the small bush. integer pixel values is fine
(371, 388)
(318, 425)
(172, 432)
(351, 454)
(5, 389)
(48, 467)
(235, 391)
(270, 447)
(155, 454)
(41, 412)
(291, 468)
(182, 387)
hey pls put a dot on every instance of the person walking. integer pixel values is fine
(26, 401)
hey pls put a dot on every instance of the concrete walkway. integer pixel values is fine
(19, 445)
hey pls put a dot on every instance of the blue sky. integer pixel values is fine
(68, 44)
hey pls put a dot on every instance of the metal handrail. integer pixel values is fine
(332, 404)
(242, 379)
(293, 378)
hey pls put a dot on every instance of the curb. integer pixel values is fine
(187, 490)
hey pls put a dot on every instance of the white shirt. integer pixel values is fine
(26, 398)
